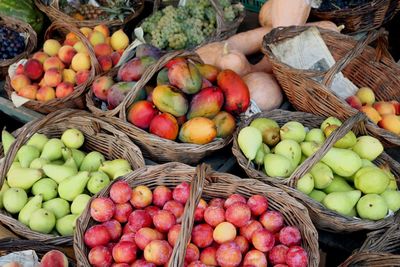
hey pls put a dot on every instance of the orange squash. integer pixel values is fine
(248, 42)
(281, 13)
(265, 15)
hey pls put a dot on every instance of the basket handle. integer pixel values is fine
(328, 144)
(196, 189)
(381, 51)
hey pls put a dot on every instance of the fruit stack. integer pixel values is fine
(345, 180)
(50, 181)
(384, 113)
(12, 43)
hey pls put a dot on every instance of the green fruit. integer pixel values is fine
(73, 138)
(342, 202)
(317, 195)
(276, 165)
(92, 161)
(170, 100)
(368, 147)
(290, 149)
(259, 159)
(32, 205)
(23, 177)
(7, 139)
(38, 140)
(24, 10)
(97, 181)
(346, 141)
(352, 213)
(46, 187)
(115, 168)
(42, 221)
(66, 225)
(73, 186)
(14, 199)
(330, 121)
(315, 135)
(38, 163)
(26, 154)
(372, 207)
(59, 172)
(367, 163)
(79, 204)
(305, 184)
(343, 162)
(4, 188)
(78, 157)
(249, 140)
(374, 181)
(322, 175)
(269, 130)
(58, 206)
(338, 184)
(52, 149)
(70, 163)
(293, 130)
(392, 199)
(309, 148)
(57, 162)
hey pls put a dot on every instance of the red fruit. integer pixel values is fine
(296, 257)
(53, 258)
(181, 193)
(64, 89)
(214, 215)
(82, 76)
(158, 252)
(206, 103)
(173, 234)
(199, 211)
(272, 221)
(175, 61)
(111, 245)
(120, 265)
(219, 202)
(165, 126)
(192, 253)
(33, 69)
(396, 106)
(163, 220)
(209, 72)
(290, 236)
(97, 235)
(161, 194)
(128, 237)
(139, 219)
(277, 238)
(202, 235)
(228, 254)
(142, 263)
(20, 69)
(263, 240)
(141, 113)
(281, 265)
(114, 228)
(258, 204)
(233, 199)
(100, 86)
(255, 258)
(175, 208)
(238, 214)
(141, 197)
(152, 210)
(278, 254)
(122, 212)
(197, 264)
(124, 252)
(102, 209)
(100, 256)
(115, 57)
(186, 77)
(209, 256)
(145, 235)
(134, 69)
(248, 229)
(120, 192)
(354, 102)
(242, 243)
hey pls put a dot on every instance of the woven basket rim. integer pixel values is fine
(360, 8)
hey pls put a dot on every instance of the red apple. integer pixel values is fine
(100, 256)
(214, 215)
(124, 252)
(152, 210)
(173, 234)
(272, 221)
(181, 193)
(192, 253)
(139, 219)
(199, 211)
(242, 243)
(258, 204)
(233, 199)
(202, 235)
(238, 214)
(145, 235)
(33, 69)
(161, 194)
(142, 263)
(120, 265)
(175, 208)
(120, 192)
(297, 257)
(197, 264)
(122, 212)
(209, 256)
(114, 228)
(248, 230)
(102, 209)
(278, 254)
(97, 235)
(290, 236)
(263, 240)
(158, 252)
(219, 202)
(163, 220)
(255, 258)
(228, 254)
(128, 237)
(141, 197)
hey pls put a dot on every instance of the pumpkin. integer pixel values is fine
(265, 16)
(281, 13)
(233, 60)
(248, 42)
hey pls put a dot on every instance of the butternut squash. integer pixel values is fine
(233, 60)
(209, 52)
(263, 65)
(326, 24)
(265, 15)
(286, 13)
(248, 42)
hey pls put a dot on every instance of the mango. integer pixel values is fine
(165, 126)
(198, 130)
(117, 93)
(209, 72)
(225, 124)
(174, 61)
(236, 92)
(147, 50)
(168, 99)
(207, 103)
(134, 69)
(162, 77)
(205, 84)
(186, 77)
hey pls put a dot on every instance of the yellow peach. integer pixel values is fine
(81, 61)
(51, 47)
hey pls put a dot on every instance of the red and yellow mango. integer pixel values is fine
(207, 103)
(225, 124)
(198, 130)
(185, 77)
(168, 99)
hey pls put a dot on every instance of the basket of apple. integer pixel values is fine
(226, 221)
(347, 182)
(51, 168)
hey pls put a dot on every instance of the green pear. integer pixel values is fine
(361, 171)
(392, 179)
(343, 162)
(70, 163)
(4, 188)
(73, 138)
(372, 207)
(7, 139)
(38, 163)
(302, 159)
(289, 149)
(338, 184)
(73, 186)
(23, 177)
(374, 181)
(330, 121)
(38, 140)
(42, 221)
(46, 187)
(115, 168)
(346, 141)
(259, 159)
(392, 199)
(249, 140)
(33, 204)
(276, 165)
(14, 165)
(315, 135)
(66, 153)
(52, 149)
(14, 199)
(305, 184)
(269, 130)
(79, 204)
(26, 154)
(59, 172)
(58, 206)
(342, 202)
(352, 213)
(317, 195)
(309, 148)
(76, 154)
(66, 225)
(293, 130)
(322, 175)
(97, 181)
(367, 163)
(92, 161)
(57, 162)
(368, 147)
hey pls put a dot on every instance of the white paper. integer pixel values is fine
(26, 258)
(17, 100)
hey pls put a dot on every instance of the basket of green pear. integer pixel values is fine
(347, 182)
(53, 166)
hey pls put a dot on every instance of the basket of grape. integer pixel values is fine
(357, 15)
(17, 40)
(190, 23)
(83, 13)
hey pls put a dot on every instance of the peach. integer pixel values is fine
(144, 236)
(214, 215)
(124, 252)
(29, 91)
(71, 39)
(19, 69)
(141, 197)
(228, 255)
(258, 204)
(209, 256)
(242, 243)
(52, 77)
(33, 69)
(233, 199)
(105, 62)
(371, 113)
(80, 47)
(100, 256)
(175, 208)
(142, 263)
(263, 240)
(152, 210)
(66, 53)
(82, 76)
(115, 57)
(248, 230)
(120, 192)
(114, 228)
(41, 56)
(181, 192)
(238, 214)
(192, 253)
(163, 220)
(158, 252)
(102, 50)
(81, 61)
(277, 255)
(202, 235)
(45, 94)
(19, 81)
(97, 235)
(396, 106)
(103, 29)
(199, 211)
(54, 258)
(139, 219)
(224, 232)
(366, 95)
(354, 102)
(102, 209)
(51, 47)
(272, 221)
(42, 83)
(391, 123)
(86, 31)
(161, 194)
(173, 234)
(384, 108)
(296, 256)
(101, 86)
(53, 63)
(219, 202)
(255, 258)
(69, 75)
(122, 212)
(96, 38)
(64, 89)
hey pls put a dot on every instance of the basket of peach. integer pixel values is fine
(177, 215)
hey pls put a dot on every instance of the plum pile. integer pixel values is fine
(11, 43)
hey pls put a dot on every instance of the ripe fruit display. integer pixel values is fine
(12, 43)
(51, 180)
(345, 180)
(227, 232)
(384, 113)
(52, 258)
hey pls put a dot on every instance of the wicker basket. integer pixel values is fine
(99, 136)
(365, 17)
(322, 217)
(10, 245)
(30, 44)
(55, 14)
(77, 98)
(209, 185)
(361, 64)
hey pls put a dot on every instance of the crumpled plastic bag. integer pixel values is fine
(26, 258)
